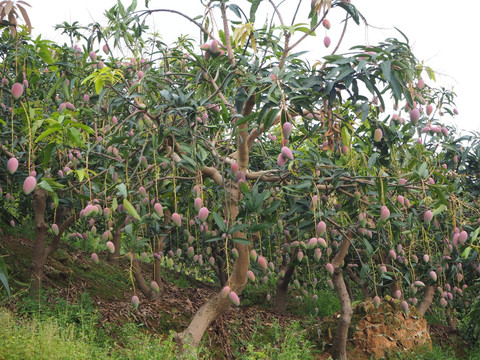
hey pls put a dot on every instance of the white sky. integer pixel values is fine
(443, 34)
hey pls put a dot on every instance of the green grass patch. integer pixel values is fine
(273, 342)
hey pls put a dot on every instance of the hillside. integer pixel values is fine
(93, 302)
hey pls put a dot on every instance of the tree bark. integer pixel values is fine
(217, 305)
(140, 280)
(220, 267)
(57, 238)
(40, 252)
(366, 293)
(451, 320)
(38, 261)
(427, 300)
(157, 263)
(281, 294)
(339, 348)
(114, 257)
(349, 290)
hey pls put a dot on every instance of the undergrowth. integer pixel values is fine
(436, 352)
(271, 341)
(45, 337)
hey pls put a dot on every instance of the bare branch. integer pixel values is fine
(226, 29)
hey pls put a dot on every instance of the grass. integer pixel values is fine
(51, 328)
(436, 352)
(271, 341)
(47, 338)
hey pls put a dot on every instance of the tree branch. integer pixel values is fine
(226, 29)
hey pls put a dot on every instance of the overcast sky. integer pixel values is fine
(442, 33)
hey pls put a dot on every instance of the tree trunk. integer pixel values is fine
(220, 267)
(40, 252)
(157, 263)
(61, 229)
(427, 300)
(451, 320)
(281, 294)
(339, 348)
(349, 290)
(140, 280)
(38, 260)
(366, 293)
(114, 257)
(217, 305)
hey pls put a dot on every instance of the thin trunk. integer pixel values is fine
(222, 275)
(451, 320)
(38, 261)
(140, 281)
(349, 290)
(57, 238)
(339, 348)
(366, 293)
(114, 257)
(281, 294)
(220, 267)
(220, 271)
(40, 252)
(427, 300)
(157, 263)
(394, 286)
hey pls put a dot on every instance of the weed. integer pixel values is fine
(275, 342)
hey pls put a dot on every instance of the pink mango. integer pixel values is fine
(17, 90)
(203, 214)
(327, 41)
(12, 165)
(29, 184)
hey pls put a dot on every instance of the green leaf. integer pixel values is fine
(128, 229)
(386, 69)
(368, 247)
(47, 153)
(55, 200)
(217, 238)
(244, 188)
(373, 160)
(51, 130)
(241, 241)
(219, 221)
(114, 204)
(261, 226)
(253, 9)
(272, 208)
(122, 190)
(45, 185)
(236, 227)
(130, 209)
(74, 136)
(423, 170)
(439, 209)
(3, 276)
(466, 252)
(235, 9)
(475, 235)
(430, 73)
(346, 136)
(80, 174)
